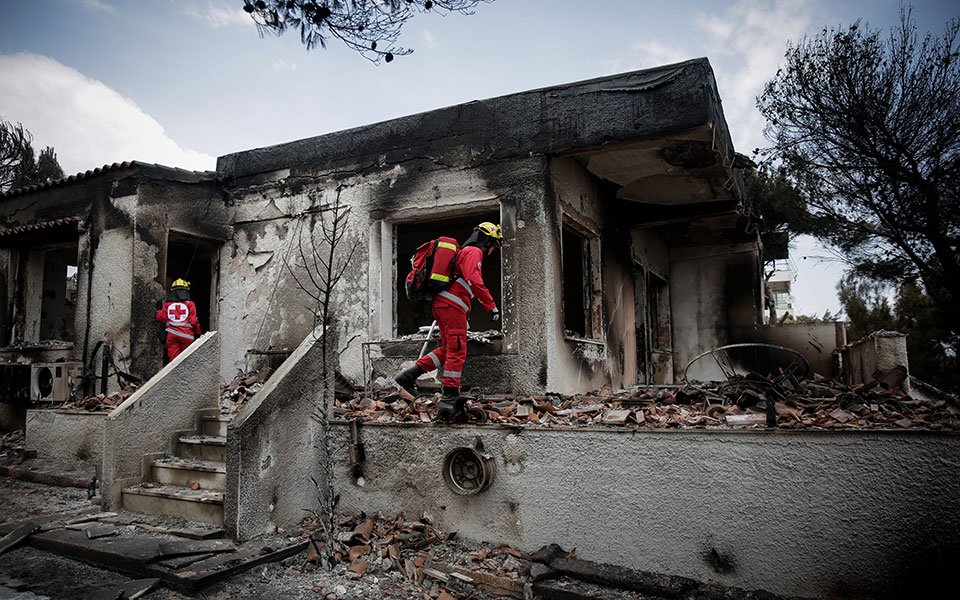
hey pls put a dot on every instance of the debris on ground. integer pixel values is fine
(393, 550)
(751, 401)
(12, 448)
(244, 386)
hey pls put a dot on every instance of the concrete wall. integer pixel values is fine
(168, 402)
(714, 301)
(881, 350)
(815, 341)
(66, 436)
(111, 284)
(272, 449)
(812, 514)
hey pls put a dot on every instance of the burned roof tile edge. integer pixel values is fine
(149, 169)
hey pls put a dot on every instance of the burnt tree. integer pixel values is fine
(320, 261)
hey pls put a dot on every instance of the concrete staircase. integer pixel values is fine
(191, 483)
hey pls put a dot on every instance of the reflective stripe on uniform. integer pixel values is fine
(451, 374)
(440, 277)
(436, 363)
(466, 285)
(179, 333)
(459, 302)
(447, 245)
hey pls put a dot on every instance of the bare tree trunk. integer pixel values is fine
(318, 272)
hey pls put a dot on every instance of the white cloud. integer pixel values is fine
(220, 15)
(745, 45)
(651, 53)
(98, 5)
(428, 42)
(88, 124)
(282, 65)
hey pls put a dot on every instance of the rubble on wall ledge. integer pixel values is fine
(754, 402)
(99, 402)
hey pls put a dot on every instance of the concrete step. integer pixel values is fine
(205, 506)
(202, 447)
(209, 474)
(216, 426)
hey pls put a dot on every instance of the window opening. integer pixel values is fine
(576, 316)
(582, 289)
(58, 293)
(658, 307)
(413, 314)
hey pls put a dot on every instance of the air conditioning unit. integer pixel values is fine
(50, 382)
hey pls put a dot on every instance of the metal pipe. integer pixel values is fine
(423, 349)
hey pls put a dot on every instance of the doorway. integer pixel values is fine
(193, 259)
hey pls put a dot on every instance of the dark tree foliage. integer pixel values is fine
(776, 202)
(19, 167)
(866, 305)
(932, 348)
(867, 127)
(371, 27)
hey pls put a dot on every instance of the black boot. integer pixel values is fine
(448, 405)
(408, 379)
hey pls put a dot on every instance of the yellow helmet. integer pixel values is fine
(180, 284)
(491, 230)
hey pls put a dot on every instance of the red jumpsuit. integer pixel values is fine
(451, 308)
(182, 325)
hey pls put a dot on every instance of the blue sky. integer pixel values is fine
(180, 82)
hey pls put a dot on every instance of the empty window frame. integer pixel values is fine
(413, 314)
(59, 294)
(46, 293)
(582, 290)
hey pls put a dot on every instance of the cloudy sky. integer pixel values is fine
(180, 82)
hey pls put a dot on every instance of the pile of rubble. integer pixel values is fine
(12, 448)
(414, 552)
(244, 386)
(99, 402)
(749, 401)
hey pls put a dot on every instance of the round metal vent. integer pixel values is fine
(468, 471)
(45, 381)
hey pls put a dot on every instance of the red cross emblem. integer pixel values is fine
(177, 312)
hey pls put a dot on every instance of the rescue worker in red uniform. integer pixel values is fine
(180, 316)
(451, 308)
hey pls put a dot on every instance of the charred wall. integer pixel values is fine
(713, 301)
(543, 121)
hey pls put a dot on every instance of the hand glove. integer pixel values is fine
(495, 314)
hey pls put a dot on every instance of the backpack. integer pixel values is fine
(431, 268)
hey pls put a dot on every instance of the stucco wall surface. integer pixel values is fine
(880, 350)
(712, 302)
(66, 435)
(168, 402)
(815, 341)
(271, 449)
(814, 514)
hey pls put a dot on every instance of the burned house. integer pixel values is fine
(84, 260)
(627, 248)
(628, 253)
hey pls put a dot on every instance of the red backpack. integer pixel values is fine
(431, 268)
